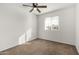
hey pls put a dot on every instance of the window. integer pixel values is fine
(52, 23)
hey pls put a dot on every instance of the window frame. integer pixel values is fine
(51, 26)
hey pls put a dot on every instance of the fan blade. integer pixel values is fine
(27, 5)
(38, 10)
(42, 6)
(31, 10)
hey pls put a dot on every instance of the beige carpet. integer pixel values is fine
(41, 47)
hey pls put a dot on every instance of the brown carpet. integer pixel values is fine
(41, 47)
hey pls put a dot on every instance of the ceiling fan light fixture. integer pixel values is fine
(36, 7)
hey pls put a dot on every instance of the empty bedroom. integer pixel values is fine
(39, 29)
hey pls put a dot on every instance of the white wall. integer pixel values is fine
(67, 26)
(14, 22)
(77, 27)
(31, 25)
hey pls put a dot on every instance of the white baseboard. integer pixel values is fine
(77, 49)
(14, 45)
(57, 41)
(9, 47)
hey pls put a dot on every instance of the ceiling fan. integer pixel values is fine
(35, 5)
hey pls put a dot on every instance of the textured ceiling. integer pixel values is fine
(50, 7)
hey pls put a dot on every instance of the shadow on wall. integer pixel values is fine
(25, 37)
